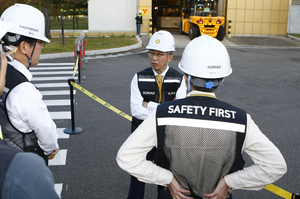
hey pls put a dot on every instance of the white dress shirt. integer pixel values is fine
(27, 112)
(136, 99)
(269, 165)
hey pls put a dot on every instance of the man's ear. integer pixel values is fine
(23, 46)
(170, 58)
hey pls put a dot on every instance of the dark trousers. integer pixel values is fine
(137, 188)
(165, 194)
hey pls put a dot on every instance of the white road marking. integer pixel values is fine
(57, 102)
(52, 68)
(52, 85)
(53, 73)
(61, 92)
(60, 158)
(61, 134)
(57, 78)
(62, 115)
(58, 188)
(55, 64)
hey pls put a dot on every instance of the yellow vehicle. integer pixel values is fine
(199, 18)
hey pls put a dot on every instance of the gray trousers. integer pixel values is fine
(28, 177)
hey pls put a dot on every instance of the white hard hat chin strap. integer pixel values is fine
(161, 69)
(29, 58)
(189, 83)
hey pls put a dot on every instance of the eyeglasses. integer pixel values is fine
(43, 43)
(158, 55)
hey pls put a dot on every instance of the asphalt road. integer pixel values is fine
(264, 82)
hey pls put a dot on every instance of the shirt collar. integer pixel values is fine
(21, 68)
(163, 73)
(200, 93)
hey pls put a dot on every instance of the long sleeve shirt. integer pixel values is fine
(136, 99)
(269, 165)
(27, 112)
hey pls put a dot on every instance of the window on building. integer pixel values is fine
(296, 2)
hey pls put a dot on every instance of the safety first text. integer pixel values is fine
(211, 111)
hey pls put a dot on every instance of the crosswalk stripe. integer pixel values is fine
(52, 68)
(53, 73)
(52, 85)
(60, 158)
(57, 102)
(61, 134)
(58, 188)
(61, 92)
(56, 64)
(51, 78)
(60, 115)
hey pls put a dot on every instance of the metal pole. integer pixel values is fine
(73, 129)
(79, 69)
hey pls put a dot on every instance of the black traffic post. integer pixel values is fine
(73, 129)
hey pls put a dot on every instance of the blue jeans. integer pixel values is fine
(138, 29)
(28, 177)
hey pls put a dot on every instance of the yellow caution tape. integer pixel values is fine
(76, 66)
(278, 191)
(107, 105)
(272, 188)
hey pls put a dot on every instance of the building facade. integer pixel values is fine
(248, 17)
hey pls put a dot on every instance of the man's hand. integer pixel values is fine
(52, 155)
(176, 191)
(145, 104)
(221, 190)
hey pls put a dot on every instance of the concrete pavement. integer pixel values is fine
(182, 40)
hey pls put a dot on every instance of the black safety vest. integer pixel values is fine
(11, 135)
(200, 140)
(7, 154)
(148, 87)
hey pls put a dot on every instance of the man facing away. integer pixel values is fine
(139, 22)
(200, 139)
(22, 175)
(151, 87)
(25, 120)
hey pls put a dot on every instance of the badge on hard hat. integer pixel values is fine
(157, 41)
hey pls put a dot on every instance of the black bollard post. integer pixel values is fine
(73, 129)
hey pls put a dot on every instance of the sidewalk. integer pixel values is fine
(182, 40)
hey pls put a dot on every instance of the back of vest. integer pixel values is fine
(11, 135)
(200, 141)
(139, 19)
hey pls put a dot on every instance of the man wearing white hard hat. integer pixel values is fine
(17, 167)
(153, 86)
(139, 22)
(24, 118)
(200, 139)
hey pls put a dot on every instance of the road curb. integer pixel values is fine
(94, 52)
(295, 38)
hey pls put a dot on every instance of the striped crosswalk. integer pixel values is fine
(52, 81)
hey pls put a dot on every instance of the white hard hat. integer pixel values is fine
(5, 27)
(205, 57)
(28, 21)
(162, 41)
(140, 12)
